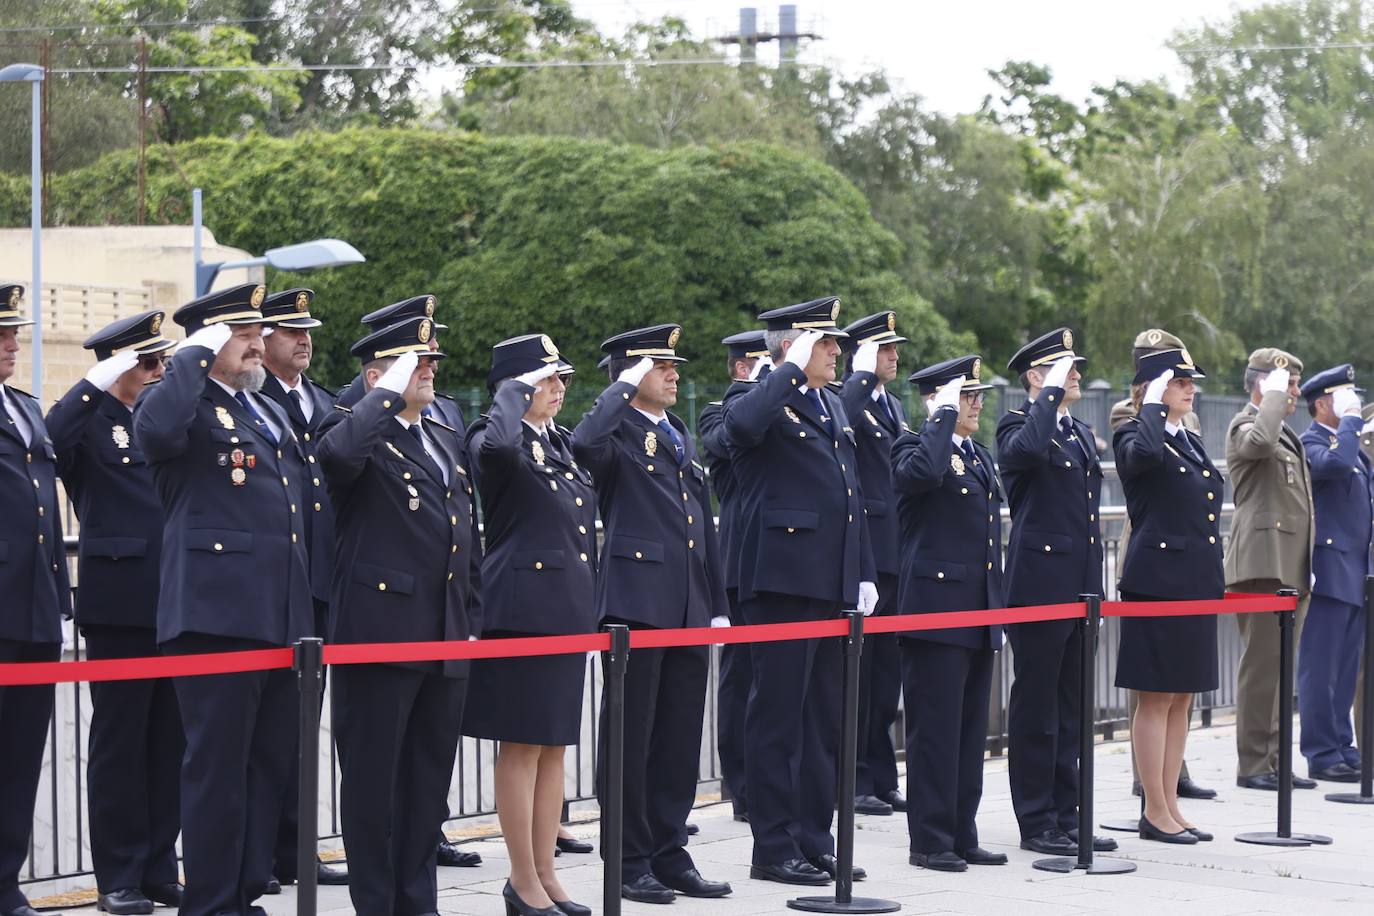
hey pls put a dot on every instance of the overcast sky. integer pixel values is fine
(941, 49)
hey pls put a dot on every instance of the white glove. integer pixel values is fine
(763, 362)
(267, 330)
(1058, 375)
(947, 395)
(720, 622)
(106, 372)
(799, 353)
(1154, 392)
(866, 357)
(397, 376)
(1368, 428)
(212, 337)
(868, 598)
(635, 374)
(1275, 381)
(1345, 402)
(538, 375)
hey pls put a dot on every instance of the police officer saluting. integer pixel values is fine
(660, 569)
(136, 741)
(877, 417)
(33, 580)
(407, 569)
(234, 576)
(803, 554)
(1054, 484)
(950, 503)
(747, 355)
(1329, 649)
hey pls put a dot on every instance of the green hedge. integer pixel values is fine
(577, 239)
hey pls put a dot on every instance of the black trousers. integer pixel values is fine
(284, 858)
(1042, 725)
(397, 732)
(880, 687)
(792, 734)
(665, 701)
(133, 773)
(240, 736)
(732, 696)
(25, 713)
(947, 691)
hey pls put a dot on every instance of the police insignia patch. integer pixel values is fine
(225, 418)
(258, 295)
(14, 298)
(156, 325)
(423, 334)
(892, 321)
(537, 450)
(977, 369)
(429, 307)
(651, 443)
(956, 463)
(835, 310)
(547, 342)
(302, 302)
(791, 414)
(1068, 339)
(120, 435)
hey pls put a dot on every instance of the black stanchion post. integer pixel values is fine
(1366, 794)
(1285, 836)
(1087, 706)
(309, 667)
(844, 900)
(613, 810)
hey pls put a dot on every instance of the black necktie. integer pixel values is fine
(293, 398)
(414, 430)
(1066, 424)
(1182, 437)
(891, 411)
(971, 459)
(674, 437)
(257, 417)
(814, 394)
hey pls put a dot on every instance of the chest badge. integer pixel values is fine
(537, 450)
(120, 435)
(651, 443)
(414, 503)
(225, 418)
(872, 419)
(956, 463)
(791, 414)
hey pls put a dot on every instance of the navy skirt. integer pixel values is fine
(532, 700)
(1167, 654)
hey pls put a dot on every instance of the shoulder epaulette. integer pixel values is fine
(715, 403)
(441, 423)
(20, 391)
(1019, 413)
(343, 408)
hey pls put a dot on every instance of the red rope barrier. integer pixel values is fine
(123, 669)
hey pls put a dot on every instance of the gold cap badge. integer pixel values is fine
(1185, 357)
(547, 341)
(977, 369)
(1154, 337)
(156, 325)
(673, 337)
(1280, 362)
(423, 333)
(835, 311)
(1068, 339)
(892, 321)
(1350, 373)
(429, 307)
(14, 298)
(302, 302)
(258, 295)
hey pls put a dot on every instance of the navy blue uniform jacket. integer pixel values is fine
(951, 531)
(1341, 503)
(660, 566)
(1174, 501)
(802, 529)
(539, 575)
(33, 564)
(874, 433)
(715, 453)
(1054, 553)
(108, 479)
(233, 556)
(444, 408)
(408, 567)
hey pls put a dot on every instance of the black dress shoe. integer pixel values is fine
(831, 866)
(871, 804)
(569, 908)
(1202, 835)
(980, 856)
(793, 871)
(123, 900)
(273, 887)
(1337, 772)
(168, 894)
(1149, 831)
(23, 910)
(1269, 782)
(453, 857)
(1051, 842)
(1100, 843)
(938, 861)
(572, 844)
(692, 884)
(1302, 782)
(330, 874)
(894, 798)
(647, 889)
(517, 907)
(692, 830)
(1189, 789)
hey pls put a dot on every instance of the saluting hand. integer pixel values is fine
(397, 376)
(538, 375)
(947, 395)
(763, 362)
(868, 598)
(866, 357)
(799, 353)
(1277, 380)
(212, 337)
(1154, 392)
(1058, 375)
(106, 372)
(635, 374)
(1345, 402)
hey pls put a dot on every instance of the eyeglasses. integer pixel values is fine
(149, 363)
(973, 397)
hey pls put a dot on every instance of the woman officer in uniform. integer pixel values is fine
(538, 579)
(1173, 497)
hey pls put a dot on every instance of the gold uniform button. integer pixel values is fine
(581, 529)
(1211, 539)
(293, 537)
(849, 490)
(310, 458)
(1328, 540)
(578, 500)
(1211, 496)
(40, 511)
(284, 483)
(40, 539)
(989, 566)
(1047, 546)
(453, 519)
(307, 437)
(1092, 540)
(1206, 473)
(1182, 469)
(963, 491)
(691, 544)
(315, 481)
(233, 438)
(203, 364)
(293, 508)
(1092, 517)
(125, 459)
(1163, 545)
(648, 467)
(453, 549)
(1212, 516)
(405, 475)
(582, 557)
(568, 474)
(638, 555)
(689, 520)
(86, 397)
(450, 577)
(279, 454)
(989, 518)
(538, 565)
(381, 586)
(35, 484)
(219, 547)
(386, 403)
(794, 531)
(553, 485)
(448, 494)
(843, 468)
(317, 507)
(625, 395)
(684, 495)
(939, 575)
(1051, 397)
(851, 518)
(801, 434)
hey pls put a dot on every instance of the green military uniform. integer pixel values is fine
(1270, 548)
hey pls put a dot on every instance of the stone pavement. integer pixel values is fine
(1214, 878)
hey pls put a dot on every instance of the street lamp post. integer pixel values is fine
(311, 255)
(33, 73)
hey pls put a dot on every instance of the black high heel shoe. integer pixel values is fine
(572, 909)
(1149, 831)
(517, 907)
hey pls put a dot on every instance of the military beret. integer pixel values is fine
(1045, 349)
(141, 333)
(240, 304)
(290, 308)
(932, 377)
(816, 315)
(1267, 359)
(413, 335)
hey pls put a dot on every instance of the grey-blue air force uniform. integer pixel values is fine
(136, 743)
(802, 549)
(659, 569)
(1053, 476)
(1173, 496)
(407, 569)
(1329, 649)
(736, 673)
(33, 579)
(949, 503)
(539, 574)
(878, 419)
(234, 576)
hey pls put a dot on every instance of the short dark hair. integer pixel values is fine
(619, 365)
(1025, 380)
(732, 364)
